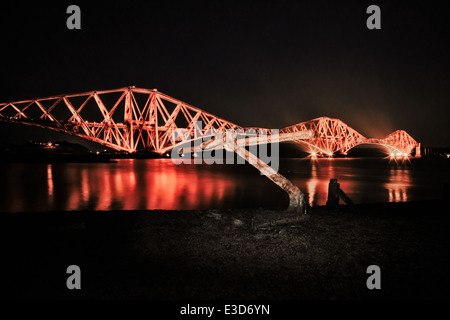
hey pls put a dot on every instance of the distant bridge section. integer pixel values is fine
(334, 136)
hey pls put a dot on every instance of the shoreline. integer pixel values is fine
(219, 254)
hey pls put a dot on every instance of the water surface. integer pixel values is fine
(160, 184)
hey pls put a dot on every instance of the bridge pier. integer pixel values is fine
(418, 154)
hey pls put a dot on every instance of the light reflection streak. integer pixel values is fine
(50, 180)
(85, 190)
(398, 184)
(311, 185)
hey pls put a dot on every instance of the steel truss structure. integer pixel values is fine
(131, 119)
(333, 135)
(125, 119)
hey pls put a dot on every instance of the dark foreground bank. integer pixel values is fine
(222, 255)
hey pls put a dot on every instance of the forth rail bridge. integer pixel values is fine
(134, 119)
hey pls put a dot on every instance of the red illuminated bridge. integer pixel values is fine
(133, 119)
(334, 136)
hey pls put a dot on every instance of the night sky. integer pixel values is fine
(255, 63)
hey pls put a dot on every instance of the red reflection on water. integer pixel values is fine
(84, 185)
(50, 180)
(317, 185)
(109, 186)
(50, 185)
(160, 184)
(311, 184)
(184, 187)
(156, 184)
(74, 201)
(398, 185)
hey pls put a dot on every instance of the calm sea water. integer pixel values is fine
(160, 184)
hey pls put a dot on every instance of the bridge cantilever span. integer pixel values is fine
(126, 119)
(333, 135)
(131, 119)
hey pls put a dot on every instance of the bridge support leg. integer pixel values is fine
(296, 197)
(418, 155)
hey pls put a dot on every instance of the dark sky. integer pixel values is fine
(255, 63)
